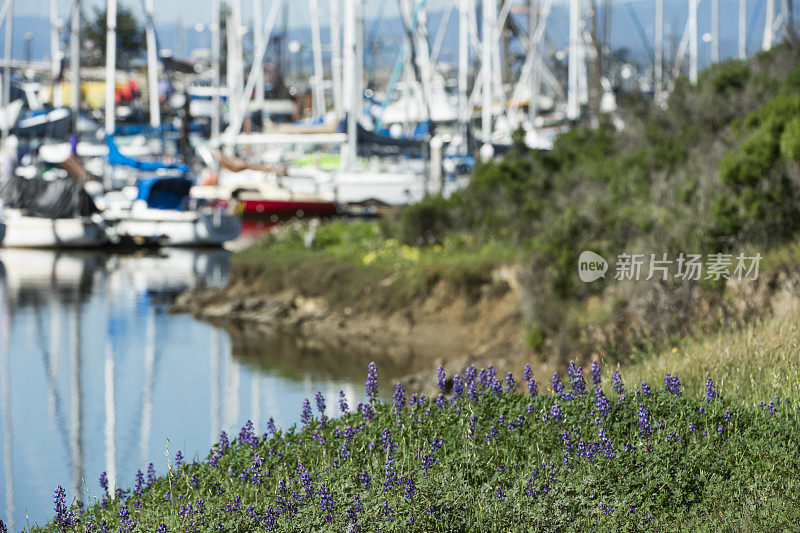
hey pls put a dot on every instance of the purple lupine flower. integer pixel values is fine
(326, 503)
(151, 474)
(343, 407)
(555, 383)
(63, 518)
(399, 398)
(510, 385)
(194, 482)
(271, 427)
(178, 459)
(576, 381)
(555, 413)
(644, 421)
(644, 390)
(320, 403)
(390, 472)
(616, 383)
(306, 415)
(470, 374)
(458, 386)
(533, 389)
(605, 444)
(411, 490)
(387, 510)
(601, 402)
(672, 384)
(139, 487)
(491, 373)
(711, 391)
(162, 528)
(223, 442)
(441, 379)
(4, 529)
(356, 508)
(499, 492)
(472, 391)
(104, 481)
(386, 440)
(596, 373)
(372, 382)
(367, 412)
(527, 372)
(366, 482)
(603, 509)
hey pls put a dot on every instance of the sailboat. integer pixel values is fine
(51, 214)
(164, 213)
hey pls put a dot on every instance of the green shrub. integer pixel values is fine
(790, 140)
(730, 75)
(426, 222)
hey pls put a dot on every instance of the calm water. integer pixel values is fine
(95, 375)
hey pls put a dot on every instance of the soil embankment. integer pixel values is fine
(438, 328)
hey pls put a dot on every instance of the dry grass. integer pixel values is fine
(749, 365)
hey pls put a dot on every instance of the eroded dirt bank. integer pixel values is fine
(437, 329)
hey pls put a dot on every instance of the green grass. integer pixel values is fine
(351, 260)
(488, 461)
(751, 364)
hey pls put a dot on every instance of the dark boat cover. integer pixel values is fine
(165, 193)
(60, 198)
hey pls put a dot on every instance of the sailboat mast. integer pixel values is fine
(715, 31)
(55, 54)
(464, 7)
(573, 100)
(769, 22)
(658, 67)
(487, 52)
(7, 73)
(352, 92)
(258, 43)
(152, 65)
(75, 63)
(319, 72)
(693, 41)
(111, 63)
(742, 29)
(215, 99)
(336, 57)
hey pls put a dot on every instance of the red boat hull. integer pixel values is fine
(283, 209)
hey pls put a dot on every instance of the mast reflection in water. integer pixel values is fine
(97, 376)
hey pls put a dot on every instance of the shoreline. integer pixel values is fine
(447, 327)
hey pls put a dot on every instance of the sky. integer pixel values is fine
(199, 11)
(32, 16)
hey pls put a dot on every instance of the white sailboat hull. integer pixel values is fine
(22, 231)
(179, 228)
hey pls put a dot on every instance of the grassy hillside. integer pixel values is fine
(600, 453)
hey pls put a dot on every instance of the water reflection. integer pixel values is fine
(95, 375)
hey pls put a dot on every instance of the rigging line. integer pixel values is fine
(640, 30)
(752, 22)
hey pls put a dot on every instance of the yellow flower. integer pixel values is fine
(391, 243)
(674, 350)
(437, 248)
(368, 258)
